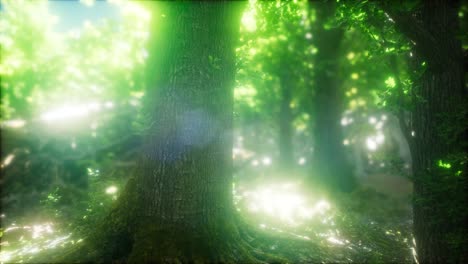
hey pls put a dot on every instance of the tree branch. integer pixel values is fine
(425, 43)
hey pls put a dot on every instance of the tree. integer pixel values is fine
(178, 207)
(272, 62)
(328, 101)
(439, 120)
(437, 129)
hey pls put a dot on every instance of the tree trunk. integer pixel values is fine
(178, 207)
(439, 122)
(285, 122)
(329, 154)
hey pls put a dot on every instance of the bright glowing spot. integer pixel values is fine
(444, 164)
(14, 123)
(39, 230)
(12, 228)
(65, 112)
(322, 206)
(283, 202)
(109, 104)
(88, 3)
(266, 161)
(111, 190)
(413, 133)
(335, 240)
(5, 256)
(302, 161)
(8, 160)
(390, 82)
(346, 142)
(354, 76)
(308, 35)
(379, 139)
(413, 251)
(54, 242)
(262, 226)
(248, 19)
(372, 120)
(241, 153)
(346, 121)
(255, 163)
(350, 56)
(246, 94)
(371, 144)
(136, 94)
(129, 8)
(73, 145)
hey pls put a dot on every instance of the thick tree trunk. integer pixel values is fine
(439, 122)
(440, 192)
(439, 158)
(179, 207)
(330, 160)
(184, 182)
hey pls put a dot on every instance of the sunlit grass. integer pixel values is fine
(21, 243)
(283, 207)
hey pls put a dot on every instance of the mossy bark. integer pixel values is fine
(439, 121)
(178, 208)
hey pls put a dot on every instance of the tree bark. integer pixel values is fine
(328, 105)
(439, 121)
(178, 207)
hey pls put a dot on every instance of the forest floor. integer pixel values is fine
(294, 222)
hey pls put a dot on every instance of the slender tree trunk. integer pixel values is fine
(285, 122)
(439, 122)
(330, 160)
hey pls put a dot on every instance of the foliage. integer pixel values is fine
(71, 109)
(45, 68)
(274, 38)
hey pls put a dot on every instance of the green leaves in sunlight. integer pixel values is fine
(43, 68)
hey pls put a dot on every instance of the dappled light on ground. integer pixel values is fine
(22, 242)
(284, 202)
(284, 208)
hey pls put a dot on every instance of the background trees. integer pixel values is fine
(328, 100)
